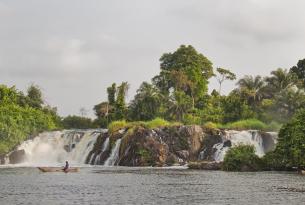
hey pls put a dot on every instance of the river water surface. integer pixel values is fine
(120, 185)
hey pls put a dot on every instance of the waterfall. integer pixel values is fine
(104, 148)
(114, 154)
(251, 137)
(54, 148)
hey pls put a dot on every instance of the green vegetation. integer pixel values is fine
(290, 149)
(155, 123)
(179, 93)
(23, 115)
(77, 122)
(242, 158)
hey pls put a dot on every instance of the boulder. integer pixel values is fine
(17, 156)
(205, 165)
(2, 159)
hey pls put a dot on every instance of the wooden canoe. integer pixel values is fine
(58, 169)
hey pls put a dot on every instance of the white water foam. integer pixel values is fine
(114, 154)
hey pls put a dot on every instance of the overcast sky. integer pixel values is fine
(74, 49)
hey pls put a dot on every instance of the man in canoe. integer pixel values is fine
(66, 166)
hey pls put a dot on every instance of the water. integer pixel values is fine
(114, 154)
(247, 137)
(123, 185)
(54, 148)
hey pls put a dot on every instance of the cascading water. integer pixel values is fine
(251, 137)
(114, 154)
(53, 148)
(104, 148)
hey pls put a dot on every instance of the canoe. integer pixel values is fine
(302, 172)
(58, 169)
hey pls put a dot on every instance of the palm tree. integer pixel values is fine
(252, 88)
(146, 103)
(279, 80)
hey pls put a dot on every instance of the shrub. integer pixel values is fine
(290, 149)
(242, 158)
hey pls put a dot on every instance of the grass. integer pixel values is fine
(153, 124)
(248, 124)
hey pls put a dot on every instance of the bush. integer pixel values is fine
(242, 158)
(18, 123)
(290, 149)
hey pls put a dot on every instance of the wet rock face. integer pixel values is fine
(96, 155)
(2, 159)
(17, 156)
(207, 149)
(268, 141)
(160, 147)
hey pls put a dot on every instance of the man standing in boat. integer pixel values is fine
(66, 166)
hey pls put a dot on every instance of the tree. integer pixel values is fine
(235, 108)
(279, 80)
(252, 88)
(83, 111)
(34, 96)
(179, 105)
(111, 91)
(120, 104)
(224, 74)
(146, 103)
(299, 71)
(184, 70)
(77, 122)
(290, 149)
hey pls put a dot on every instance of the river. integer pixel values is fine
(124, 185)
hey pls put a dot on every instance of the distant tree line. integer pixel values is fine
(180, 93)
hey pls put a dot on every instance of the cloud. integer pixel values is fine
(74, 49)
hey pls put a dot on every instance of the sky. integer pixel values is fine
(74, 49)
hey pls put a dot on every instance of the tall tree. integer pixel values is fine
(34, 96)
(146, 104)
(181, 67)
(111, 91)
(252, 88)
(299, 71)
(279, 80)
(120, 103)
(224, 74)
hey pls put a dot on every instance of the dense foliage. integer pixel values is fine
(77, 122)
(242, 158)
(179, 93)
(23, 115)
(290, 149)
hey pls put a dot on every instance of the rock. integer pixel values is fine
(17, 156)
(208, 143)
(2, 159)
(227, 143)
(205, 165)
(183, 154)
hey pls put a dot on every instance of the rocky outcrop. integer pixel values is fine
(2, 159)
(205, 165)
(17, 156)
